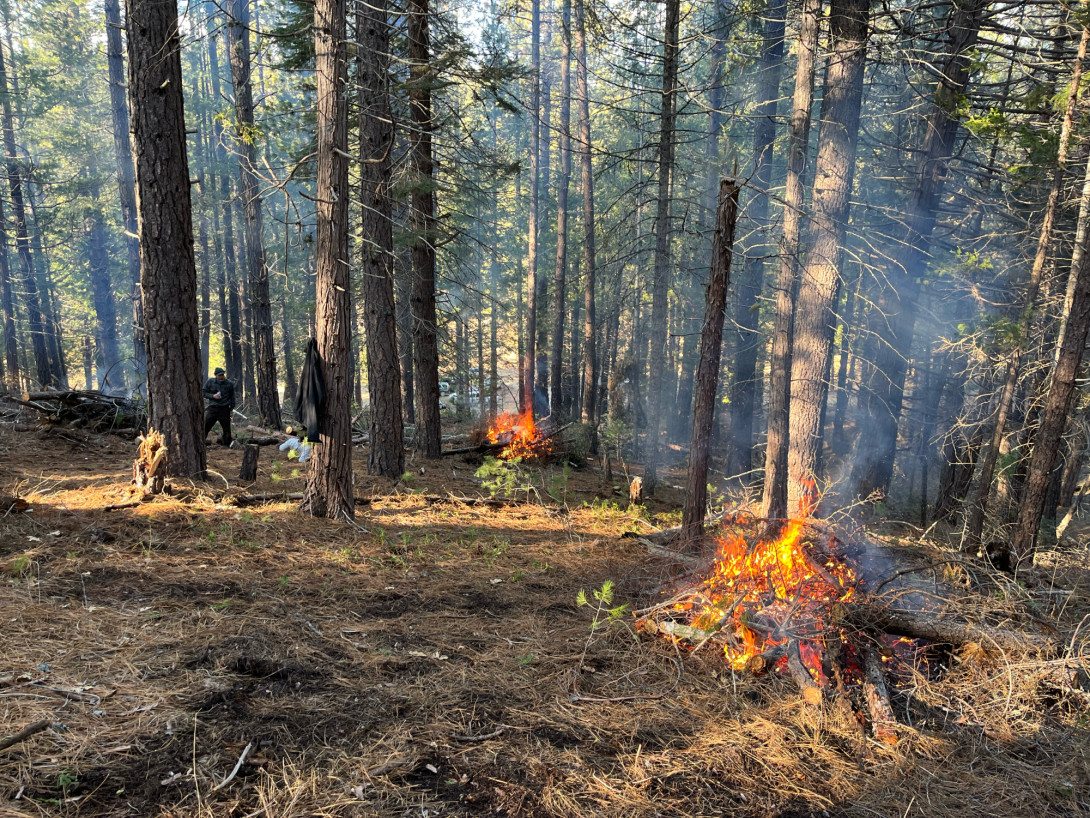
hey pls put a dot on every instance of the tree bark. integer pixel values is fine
(707, 371)
(126, 176)
(169, 280)
(7, 311)
(833, 175)
(979, 509)
(260, 309)
(529, 351)
(661, 287)
(774, 500)
(1058, 401)
(42, 363)
(893, 324)
(206, 278)
(232, 325)
(329, 491)
(386, 455)
(403, 286)
(745, 396)
(428, 439)
(102, 294)
(590, 353)
(563, 182)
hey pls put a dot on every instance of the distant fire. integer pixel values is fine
(519, 435)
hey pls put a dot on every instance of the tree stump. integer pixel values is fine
(248, 471)
(145, 470)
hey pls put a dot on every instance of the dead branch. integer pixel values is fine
(883, 722)
(811, 692)
(24, 734)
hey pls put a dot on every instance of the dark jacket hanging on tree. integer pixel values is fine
(311, 395)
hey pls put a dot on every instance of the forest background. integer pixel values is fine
(915, 226)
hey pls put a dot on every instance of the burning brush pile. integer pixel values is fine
(797, 601)
(517, 436)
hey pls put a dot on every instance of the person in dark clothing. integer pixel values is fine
(219, 402)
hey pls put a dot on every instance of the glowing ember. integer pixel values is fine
(772, 593)
(520, 437)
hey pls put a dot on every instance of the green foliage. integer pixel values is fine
(503, 476)
(605, 613)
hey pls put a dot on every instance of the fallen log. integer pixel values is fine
(936, 628)
(480, 448)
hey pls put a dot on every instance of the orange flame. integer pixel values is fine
(773, 591)
(519, 434)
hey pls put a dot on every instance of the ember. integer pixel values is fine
(520, 436)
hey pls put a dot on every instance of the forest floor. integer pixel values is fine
(433, 662)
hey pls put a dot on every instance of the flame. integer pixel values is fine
(773, 591)
(519, 434)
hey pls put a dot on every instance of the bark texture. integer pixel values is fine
(820, 275)
(428, 439)
(264, 351)
(707, 370)
(169, 280)
(529, 350)
(386, 456)
(329, 491)
(562, 184)
(774, 500)
(661, 287)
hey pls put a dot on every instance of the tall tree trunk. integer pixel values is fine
(979, 509)
(386, 455)
(126, 176)
(1058, 401)
(232, 326)
(102, 294)
(206, 278)
(541, 379)
(260, 310)
(840, 443)
(745, 398)
(493, 331)
(7, 311)
(707, 371)
(42, 364)
(833, 175)
(403, 284)
(563, 181)
(894, 322)
(428, 440)
(529, 350)
(169, 280)
(661, 288)
(590, 367)
(329, 491)
(776, 478)
(221, 288)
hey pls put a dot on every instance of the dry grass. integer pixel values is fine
(437, 664)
